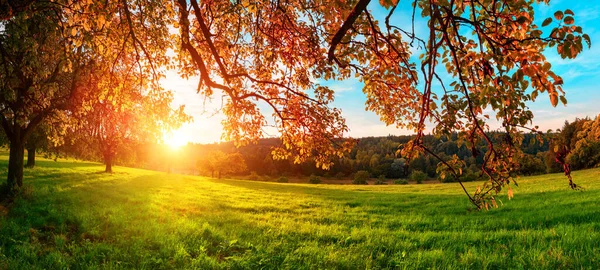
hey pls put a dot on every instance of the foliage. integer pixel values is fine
(361, 178)
(340, 175)
(418, 176)
(313, 179)
(401, 182)
(380, 182)
(195, 223)
(282, 179)
(490, 54)
(585, 145)
(221, 163)
(253, 176)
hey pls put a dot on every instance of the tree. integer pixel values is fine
(492, 52)
(585, 143)
(47, 51)
(221, 163)
(40, 71)
(361, 178)
(125, 108)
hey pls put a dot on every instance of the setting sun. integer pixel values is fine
(176, 139)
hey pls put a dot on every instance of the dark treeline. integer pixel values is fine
(376, 155)
(577, 142)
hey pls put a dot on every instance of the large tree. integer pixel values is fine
(49, 49)
(474, 55)
(39, 72)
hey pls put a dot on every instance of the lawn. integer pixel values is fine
(71, 215)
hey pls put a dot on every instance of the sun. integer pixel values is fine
(175, 140)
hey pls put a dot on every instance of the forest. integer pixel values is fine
(379, 156)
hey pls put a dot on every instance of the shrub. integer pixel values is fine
(401, 182)
(360, 178)
(340, 176)
(253, 176)
(470, 177)
(265, 178)
(418, 176)
(282, 179)
(313, 179)
(380, 182)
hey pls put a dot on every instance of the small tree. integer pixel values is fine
(361, 178)
(313, 179)
(221, 163)
(418, 176)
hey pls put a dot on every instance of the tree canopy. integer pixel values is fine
(475, 55)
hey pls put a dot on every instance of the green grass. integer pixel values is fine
(72, 216)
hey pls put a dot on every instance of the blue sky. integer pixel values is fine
(581, 83)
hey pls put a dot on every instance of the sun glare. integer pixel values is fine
(176, 140)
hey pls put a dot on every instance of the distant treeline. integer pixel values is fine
(376, 155)
(577, 142)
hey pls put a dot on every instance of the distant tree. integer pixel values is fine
(418, 176)
(361, 178)
(313, 179)
(585, 145)
(221, 163)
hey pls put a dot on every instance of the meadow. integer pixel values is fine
(71, 215)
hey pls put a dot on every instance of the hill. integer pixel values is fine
(73, 216)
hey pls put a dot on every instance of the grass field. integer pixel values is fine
(73, 216)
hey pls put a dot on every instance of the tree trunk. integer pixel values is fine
(31, 157)
(108, 162)
(15, 164)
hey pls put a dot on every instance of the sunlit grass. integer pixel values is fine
(71, 215)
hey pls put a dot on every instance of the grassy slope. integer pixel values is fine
(73, 216)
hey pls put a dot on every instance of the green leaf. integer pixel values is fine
(546, 22)
(558, 15)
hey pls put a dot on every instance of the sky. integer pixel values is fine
(581, 83)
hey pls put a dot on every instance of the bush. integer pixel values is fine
(401, 182)
(313, 179)
(470, 177)
(340, 176)
(380, 182)
(360, 178)
(418, 176)
(265, 178)
(282, 179)
(253, 176)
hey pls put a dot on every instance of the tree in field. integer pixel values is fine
(221, 163)
(475, 55)
(39, 73)
(125, 107)
(47, 137)
(47, 50)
